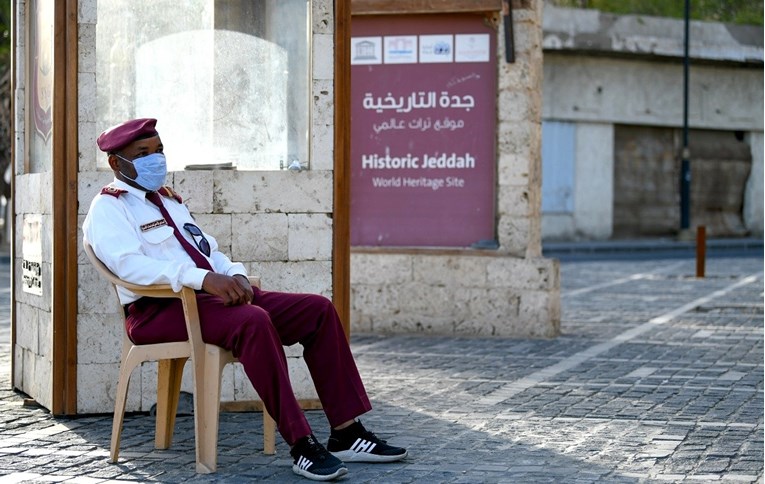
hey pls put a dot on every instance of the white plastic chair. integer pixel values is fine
(208, 362)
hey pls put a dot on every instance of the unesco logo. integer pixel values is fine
(365, 50)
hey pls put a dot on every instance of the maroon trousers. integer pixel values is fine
(255, 333)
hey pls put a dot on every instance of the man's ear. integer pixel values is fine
(113, 162)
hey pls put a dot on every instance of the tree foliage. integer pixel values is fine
(5, 31)
(5, 97)
(729, 11)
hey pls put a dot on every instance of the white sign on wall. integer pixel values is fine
(471, 48)
(401, 49)
(31, 253)
(436, 48)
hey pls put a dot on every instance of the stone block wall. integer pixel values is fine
(33, 349)
(511, 291)
(459, 294)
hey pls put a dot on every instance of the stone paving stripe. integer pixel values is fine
(512, 389)
(595, 287)
(652, 422)
(732, 375)
(740, 477)
(701, 301)
(641, 372)
(18, 477)
(616, 282)
(46, 432)
(704, 333)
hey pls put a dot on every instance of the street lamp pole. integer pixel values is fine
(685, 166)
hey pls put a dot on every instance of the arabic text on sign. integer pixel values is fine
(418, 100)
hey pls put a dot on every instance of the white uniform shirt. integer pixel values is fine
(128, 235)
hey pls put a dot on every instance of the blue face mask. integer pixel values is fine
(151, 171)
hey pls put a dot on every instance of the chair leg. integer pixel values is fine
(169, 376)
(269, 434)
(120, 400)
(207, 411)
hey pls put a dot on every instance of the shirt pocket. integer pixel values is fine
(158, 238)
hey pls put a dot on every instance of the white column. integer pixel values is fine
(594, 181)
(753, 196)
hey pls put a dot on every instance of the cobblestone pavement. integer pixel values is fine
(658, 377)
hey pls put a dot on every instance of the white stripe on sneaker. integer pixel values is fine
(362, 445)
(304, 463)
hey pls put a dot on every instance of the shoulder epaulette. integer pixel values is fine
(113, 191)
(166, 191)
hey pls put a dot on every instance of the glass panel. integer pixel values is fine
(226, 79)
(40, 89)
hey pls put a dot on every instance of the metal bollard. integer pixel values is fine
(701, 250)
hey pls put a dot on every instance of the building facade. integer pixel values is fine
(613, 119)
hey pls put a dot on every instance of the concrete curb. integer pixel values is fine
(651, 247)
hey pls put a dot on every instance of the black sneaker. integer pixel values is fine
(357, 444)
(312, 460)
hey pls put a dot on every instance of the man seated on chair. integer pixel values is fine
(143, 233)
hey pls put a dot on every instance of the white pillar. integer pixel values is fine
(594, 181)
(753, 196)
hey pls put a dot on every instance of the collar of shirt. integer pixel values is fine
(137, 192)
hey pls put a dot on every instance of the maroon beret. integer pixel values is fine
(125, 133)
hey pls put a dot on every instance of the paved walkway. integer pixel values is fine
(658, 376)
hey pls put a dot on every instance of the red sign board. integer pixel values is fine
(423, 130)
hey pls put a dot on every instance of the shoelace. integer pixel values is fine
(372, 437)
(315, 450)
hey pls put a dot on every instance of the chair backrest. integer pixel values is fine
(102, 269)
(153, 290)
(186, 295)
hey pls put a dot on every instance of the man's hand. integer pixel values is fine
(245, 282)
(233, 290)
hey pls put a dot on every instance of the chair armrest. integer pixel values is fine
(165, 290)
(154, 290)
(254, 280)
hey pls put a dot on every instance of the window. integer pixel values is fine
(227, 80)
(40, 86)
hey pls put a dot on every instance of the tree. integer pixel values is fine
(5, 94)
(5, 104)
(729, 11)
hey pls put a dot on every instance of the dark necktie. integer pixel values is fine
(195, 255)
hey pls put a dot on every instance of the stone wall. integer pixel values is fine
(459, 294)
(511, 291)
(33, 348)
